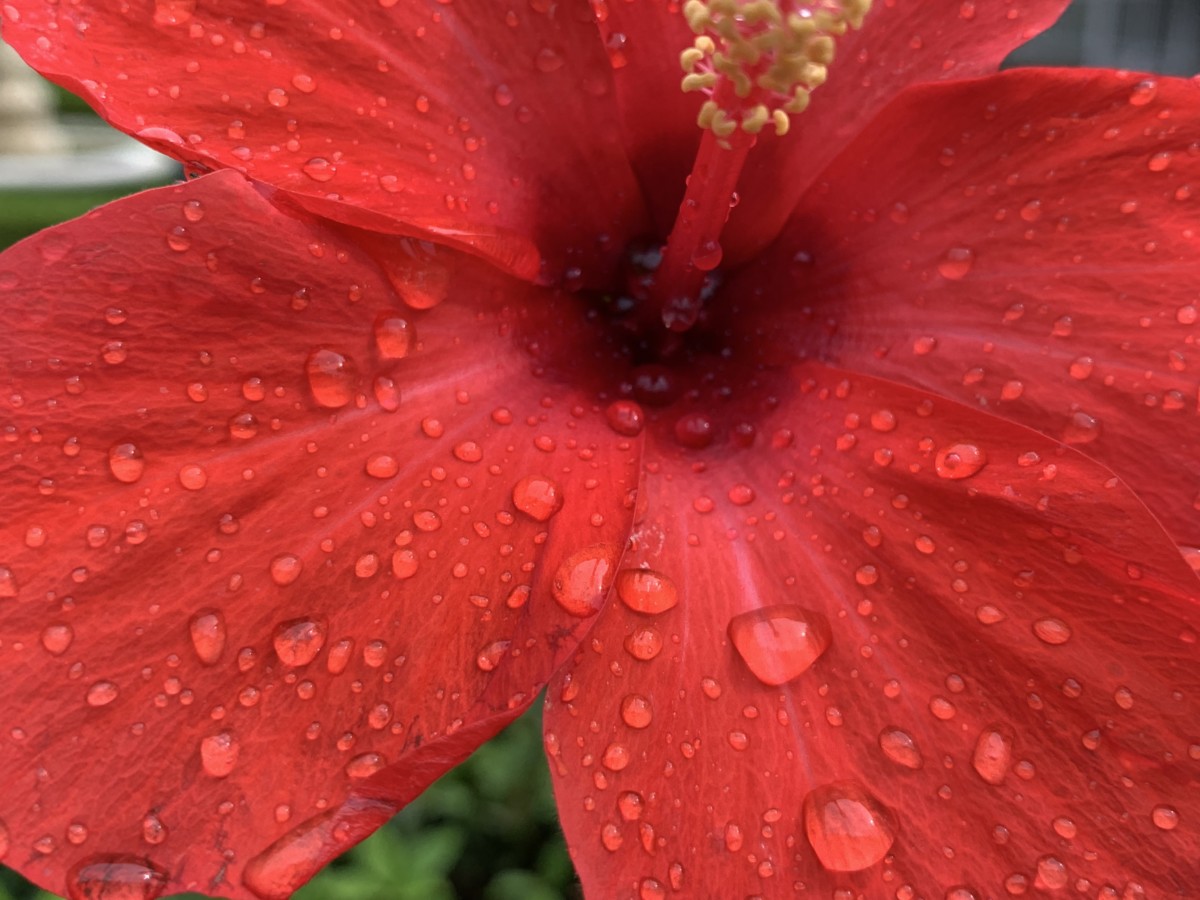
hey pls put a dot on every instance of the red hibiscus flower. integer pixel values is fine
(846, 536)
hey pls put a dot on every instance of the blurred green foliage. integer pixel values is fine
(486, 830)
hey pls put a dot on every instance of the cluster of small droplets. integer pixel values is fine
(771, 53)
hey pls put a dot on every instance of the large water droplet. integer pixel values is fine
(297, 642)
(900, 748)
(114, 878)
(1052, 631)
(219, 754)
(582, 580)
(126, 463)
(57, 638)
(779, 643)
(847, 827)
(646, 591)
(394, 335)
(959, 461)
(993, 755)
(207, 630)
(636, 711)
(101, 693)
(538, 497)
(277, 872)
(331, 378)
(957, 262)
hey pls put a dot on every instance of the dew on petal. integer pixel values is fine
(207, 631)
(644, 643)
(646, 591)
(219, 754)
(330, 377)
(126, 463)
(848, 828)
(382, 465)
(582, 580)
(297, 642)
(365, 765)
(779, 643)
(1165, 818)
(57, 638)
(993, 755)
(101, 693)
(114, 878)
(636, 711)
(490, 656)
(285, 569)
(957, 262)
(625, 417)
(959, 461)
(1052, 631)
(394, 335)
(900, 748)
(538, 497)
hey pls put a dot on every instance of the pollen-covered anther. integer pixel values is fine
(757, 61)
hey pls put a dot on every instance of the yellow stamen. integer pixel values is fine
(757, 61)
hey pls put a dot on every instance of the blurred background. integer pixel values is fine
(488, 829)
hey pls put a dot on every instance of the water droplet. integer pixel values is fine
(114, 878)
(153, 829)
(382, 465)
(615, 757)
(993, 755)
(779, 643)
(1165, 817)
(297, 642)
(959, 461)
(331, 378)
(956, 263)
(279, 871)
(192, 477)
(636, 711)
(900, 748)
(538, 497)
(394, 335)
(126, 463)
(847, 827)
(1143, 92)
(582, 580)
(219, 754)
(173, 12)
(625, 417)
(365, 765)
(489, 657)
(1051, 874)
(1052, 631)
(8, 583)
(285, 569)
(57, 638)
(207, 630)
(644, 643)
(101, 693)
(646, 591)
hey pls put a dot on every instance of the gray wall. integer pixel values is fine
(1154, 35)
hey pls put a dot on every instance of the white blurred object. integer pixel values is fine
(27, 122)
(41, 151)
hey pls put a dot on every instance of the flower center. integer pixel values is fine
(756, 62)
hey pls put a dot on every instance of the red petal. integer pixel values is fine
(410, 117)
(268, 566)
(903, 43)
(917, 652)
(1031, 248)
